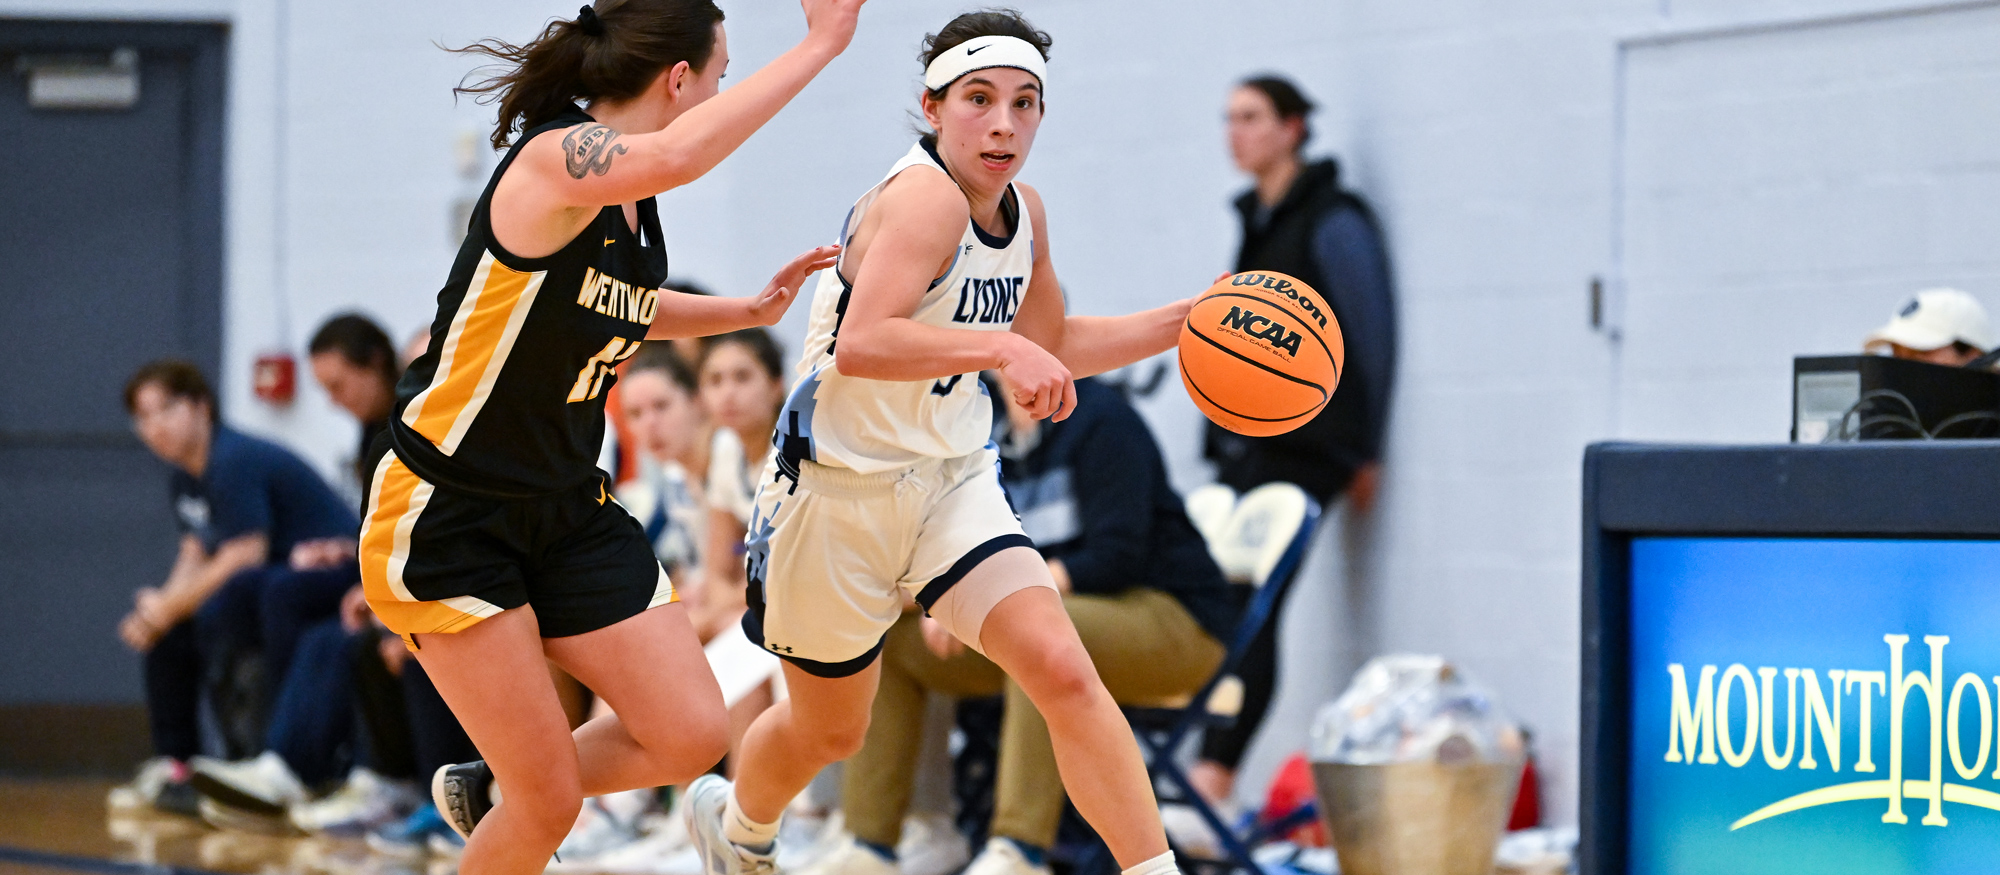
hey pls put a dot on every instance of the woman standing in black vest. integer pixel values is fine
(1299, 221)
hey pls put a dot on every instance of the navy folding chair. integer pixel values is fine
(1261, 541)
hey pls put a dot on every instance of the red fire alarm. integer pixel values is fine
(275, 378)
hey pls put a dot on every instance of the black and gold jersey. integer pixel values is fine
(509, 400)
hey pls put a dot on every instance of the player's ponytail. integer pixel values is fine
(610, 51)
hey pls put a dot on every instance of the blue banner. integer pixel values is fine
(1815, 706)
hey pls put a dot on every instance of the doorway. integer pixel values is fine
(111, 238)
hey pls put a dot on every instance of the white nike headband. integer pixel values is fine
(982, 53)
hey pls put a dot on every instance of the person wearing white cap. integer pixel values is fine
(885, 484)
(1940, 326)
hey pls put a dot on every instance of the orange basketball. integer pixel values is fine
(1260, 353)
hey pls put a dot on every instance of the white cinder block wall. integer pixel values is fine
(1751, 179)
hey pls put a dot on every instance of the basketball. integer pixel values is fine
(1260, 353)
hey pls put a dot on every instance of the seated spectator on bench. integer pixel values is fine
(353, 360)
(266, 553)
(662, 405)
(406, 732)
(1148, 603)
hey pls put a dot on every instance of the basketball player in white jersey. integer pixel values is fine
(884, 486)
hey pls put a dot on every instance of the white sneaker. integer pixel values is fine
(659, 853)
(240, 822)
(806, 835)
(850, 857)
(366, 801)
(707, 797)
(263, 786)
(1190, 833)
(154, 786)
(932, 845)
(1001, 857)
(597, 831)
(669, 830)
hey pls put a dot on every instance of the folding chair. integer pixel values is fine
(1262, 544)
(1209, 507)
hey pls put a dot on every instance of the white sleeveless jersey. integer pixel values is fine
(871, 426)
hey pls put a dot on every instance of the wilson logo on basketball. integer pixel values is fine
(1282, 287)
(1261, 327)
(1259, 354)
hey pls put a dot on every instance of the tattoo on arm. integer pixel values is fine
(589, 149)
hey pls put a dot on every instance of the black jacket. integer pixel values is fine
(1093, 492)
(1328, 237)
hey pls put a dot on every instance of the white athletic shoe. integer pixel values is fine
(597, 832)
(806, 835)
(850, 857)
(1001, 857)
(241, 822)
(366, 801)
(659, 853)
(263, 786)
(932, 845)
(1190, 833)
(162, 783)
(707, 797)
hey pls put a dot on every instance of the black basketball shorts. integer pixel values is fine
(436, 561)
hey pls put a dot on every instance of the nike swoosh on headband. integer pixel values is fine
(1010, 52)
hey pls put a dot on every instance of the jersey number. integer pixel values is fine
(590, 381)
(944, 387)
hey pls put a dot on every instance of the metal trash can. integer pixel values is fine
(1416, 818)
(1416, 767)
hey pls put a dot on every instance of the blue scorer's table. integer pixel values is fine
(1791, 659)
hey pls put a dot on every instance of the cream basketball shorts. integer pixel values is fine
(832, 553)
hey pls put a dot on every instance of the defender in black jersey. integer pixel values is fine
(490, 542)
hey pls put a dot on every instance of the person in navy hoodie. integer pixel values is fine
(266, 553)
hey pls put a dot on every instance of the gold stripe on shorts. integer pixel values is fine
(396, 499)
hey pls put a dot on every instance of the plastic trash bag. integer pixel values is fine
(1413, 708)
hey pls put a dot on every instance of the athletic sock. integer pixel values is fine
(744, 832)
(883, 851)
(1034, 854)
(1160, 865)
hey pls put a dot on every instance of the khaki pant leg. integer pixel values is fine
(878, 780)
(1146, 647)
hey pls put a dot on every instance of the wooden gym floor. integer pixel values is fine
(49, 827)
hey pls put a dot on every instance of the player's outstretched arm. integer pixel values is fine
(1087, 345)
(591, 165)
(684, 315)
(916, 225)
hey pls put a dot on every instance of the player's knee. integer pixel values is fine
(706, 736)
(834, 742)
(1061, 674)
(550, 804)
(695, 741)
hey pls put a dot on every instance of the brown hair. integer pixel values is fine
(613, 51)
(180, 379)
(360, 342)
(985, 22)
(1288, 100)
(662, 357)
(763, 348)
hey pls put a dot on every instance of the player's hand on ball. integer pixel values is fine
(770, 305)
(1038, 380)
